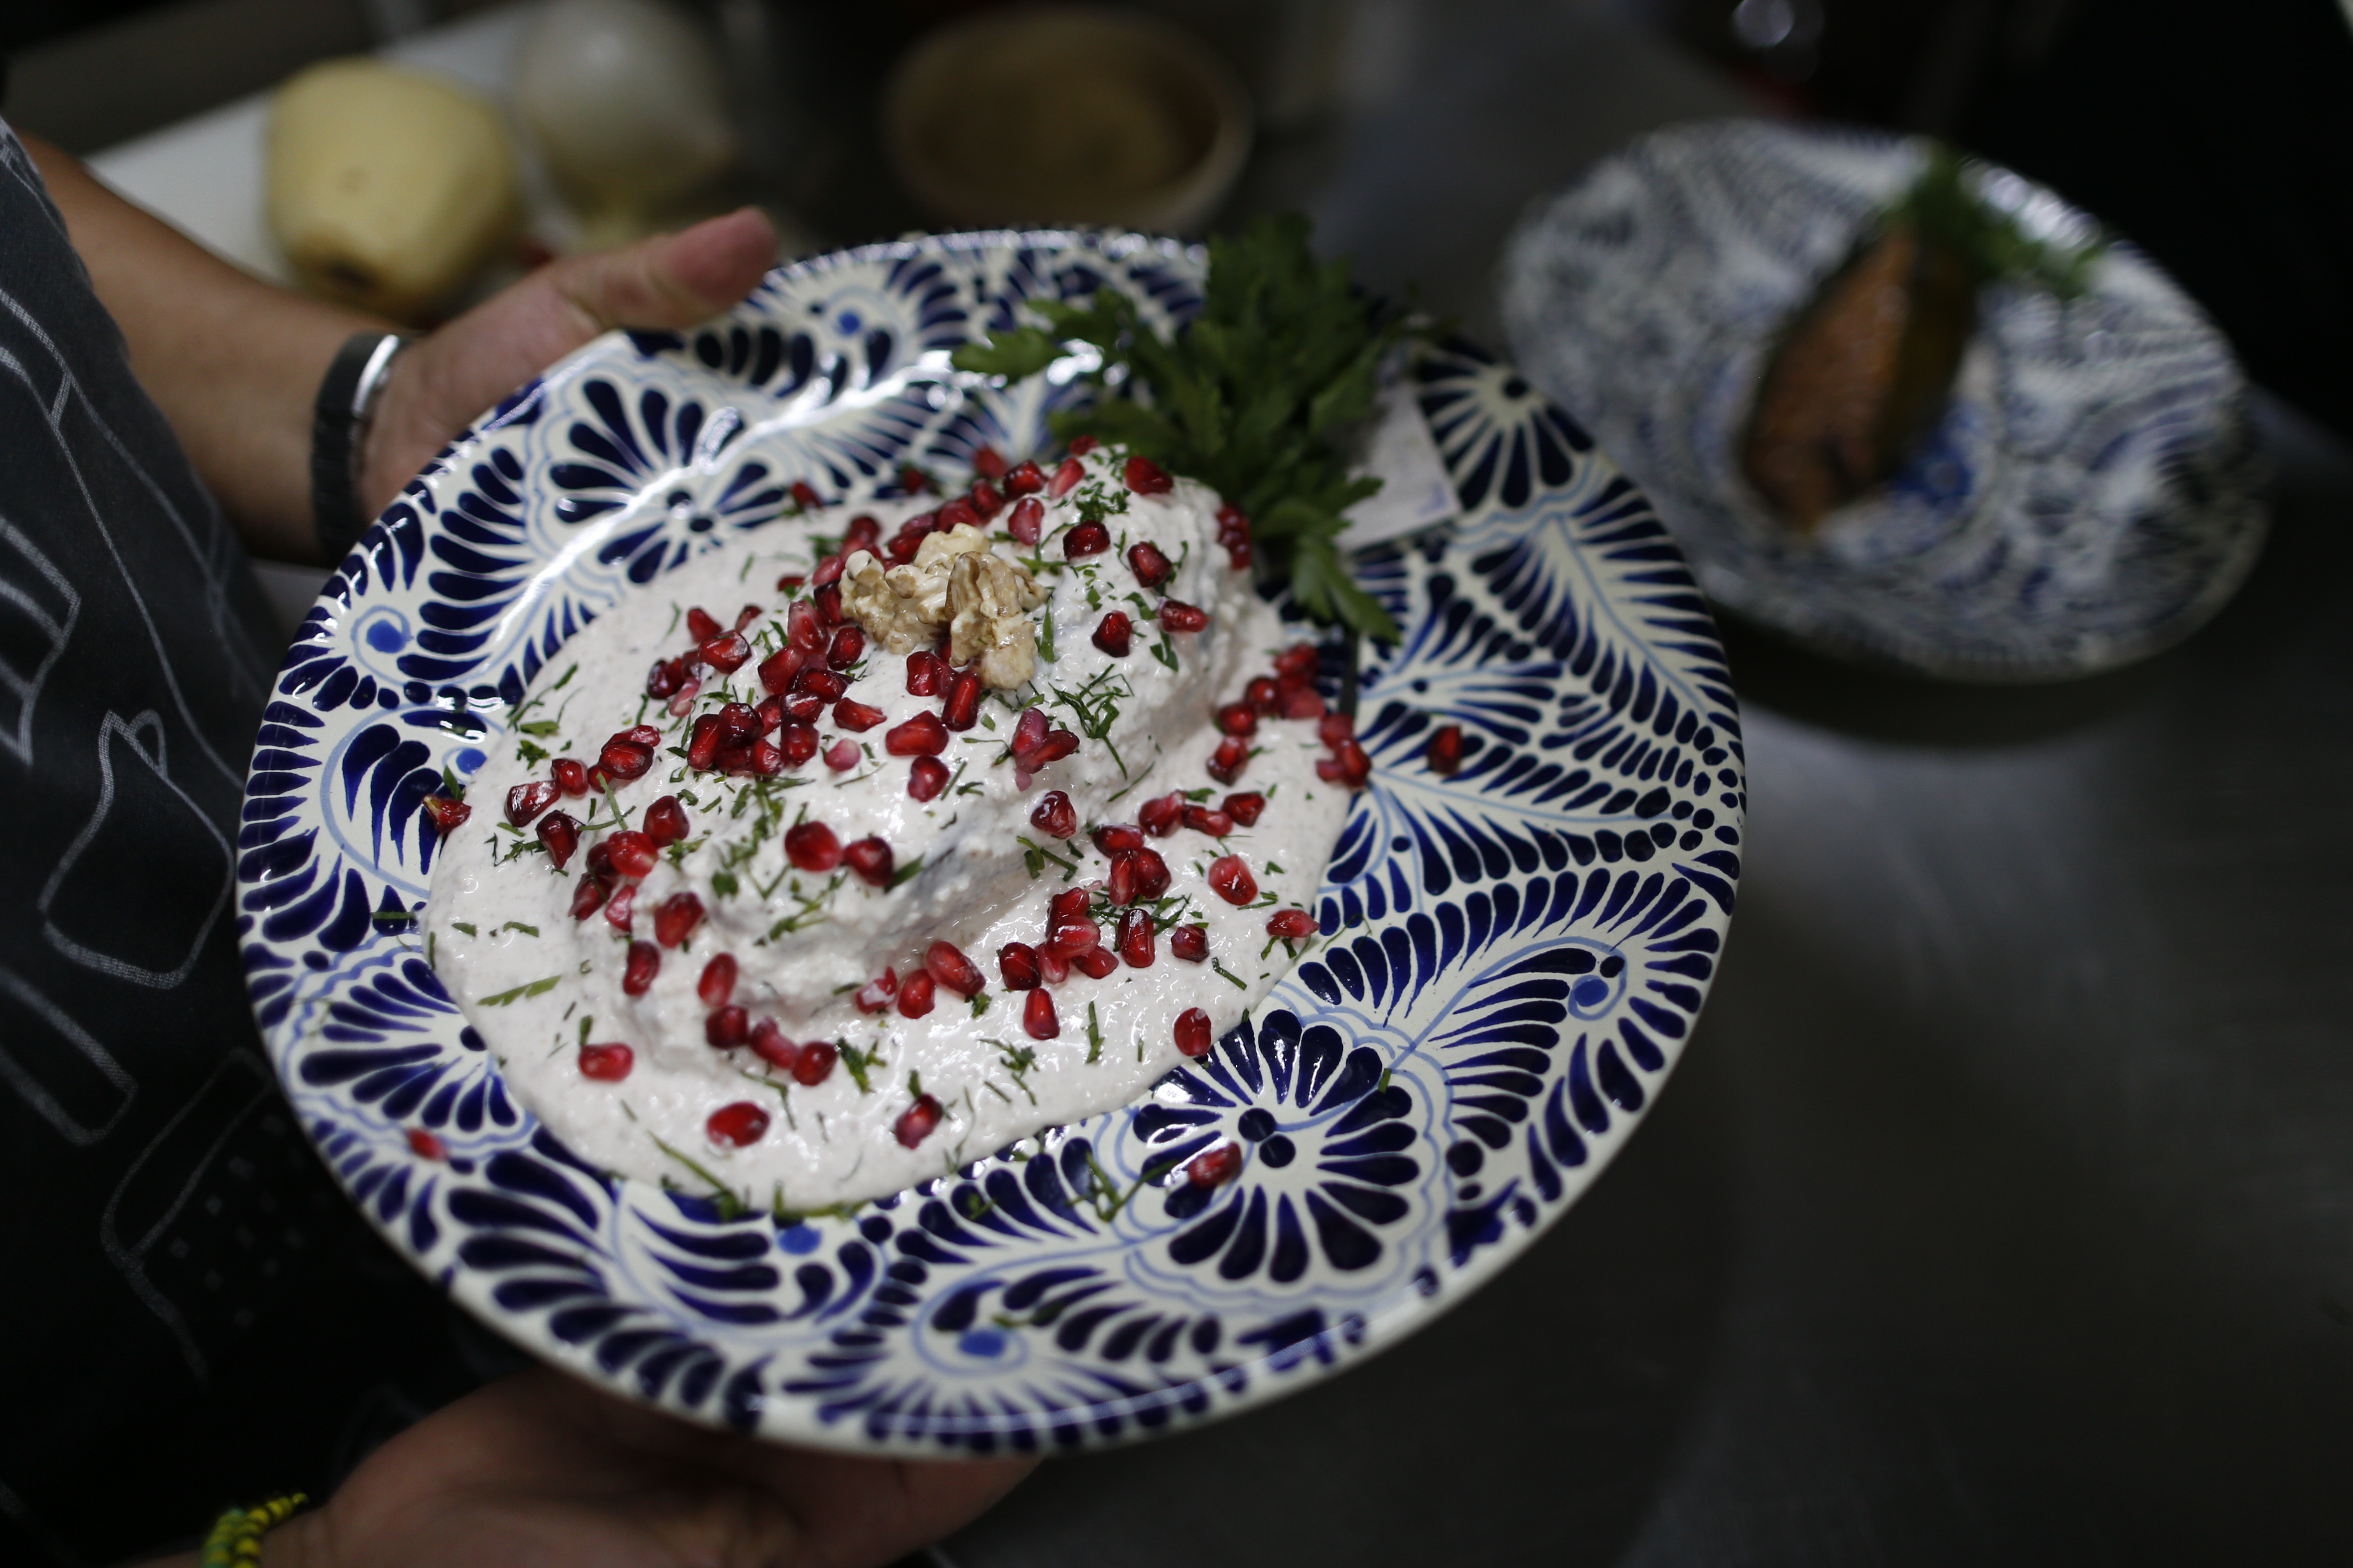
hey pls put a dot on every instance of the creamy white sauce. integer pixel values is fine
(501, 925)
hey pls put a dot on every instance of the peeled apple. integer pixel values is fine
(389, 188)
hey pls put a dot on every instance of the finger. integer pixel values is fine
(671, 280)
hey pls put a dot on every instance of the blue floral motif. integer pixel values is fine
(1509, 955)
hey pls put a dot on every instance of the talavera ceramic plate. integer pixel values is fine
(1518, 951)
(2091, 495)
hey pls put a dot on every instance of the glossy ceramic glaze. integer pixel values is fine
(1516, 951)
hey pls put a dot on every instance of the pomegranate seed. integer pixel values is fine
(1026, 480)
(927, 673)
(727, 1027)
(798, 741)
(718, 982)
(770, 711)
(600, 862)
(1237, 555)
(739, 725)
(1244, 808)
(989, 462)
(666, 821)
(1057, 744)
(1190, 943)
(1151, 567)
(644, 735)
(679, 705)
(1230, 876)
(871, 860)
(1121, 886)
(426, 1146)
(1334, 728)
(587, 898)
(767, 760)
(946, 963)
(1054, 816)
(815, 1063)
(1193, 1032)
(702, 741)
(1113, 837)
(921, 736)
(1445, 753)
(902, 547)
(864, 530)
(1096, 963)
(746, 616)
(622, 909)
(624, 759)
(676, 919)
(637, 971)
(1066, 478)
(916, 1123)
(825, 685)
(856, 716)
(1238, 719)
(1215, 824)
(1290, 925)
(1264, 696)
(984, 500)
(727, 653)
(699, 626)
(740, 1124)
(1073, 936)
(958, 514)
(570, 777)
(1083, 444)
(1151, 875)
(1160, 815)
(1303, 703)
(1298, 661)
(812, 847)
(915, 995)
(633, 852)
(849, 646)
(768, 1044)
(1226, 763)
(559, 834)
(1355, 767)
(1179, 617)
(664, 677)
(1026, 521)
(606, 1064)
(801, 707)
(876, 993)
(829, 571)
(1115, 634)
(1135, 938)
(804, 496)
(1038, 1015)
(526, 801)
(1070, 904)
(1028, 729)
(1054, 966)
(1147, 477)
(791, 582)
(842, 756)
(1017, 966)
(777, 670)
(1087, 539)
(928, 778)
(962, 710)
(1214, 1167)
(801, 628)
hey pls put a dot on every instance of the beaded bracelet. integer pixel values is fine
(236, 1539)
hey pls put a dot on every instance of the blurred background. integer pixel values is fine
(2224, 148)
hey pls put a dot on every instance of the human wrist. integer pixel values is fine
(305, 1540)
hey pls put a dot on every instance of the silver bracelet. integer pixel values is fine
(339, 425)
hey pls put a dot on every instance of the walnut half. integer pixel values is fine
(955, 582)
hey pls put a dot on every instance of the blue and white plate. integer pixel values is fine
(2091, 495)
(1519, 950)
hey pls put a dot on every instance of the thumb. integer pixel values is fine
(670, 281)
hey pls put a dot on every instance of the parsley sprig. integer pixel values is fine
(1253, 397)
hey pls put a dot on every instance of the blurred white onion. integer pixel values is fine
(627, 103)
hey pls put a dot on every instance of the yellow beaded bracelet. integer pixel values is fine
(236, 1539)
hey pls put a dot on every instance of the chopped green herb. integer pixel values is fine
(534, 988)
(466, 926)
